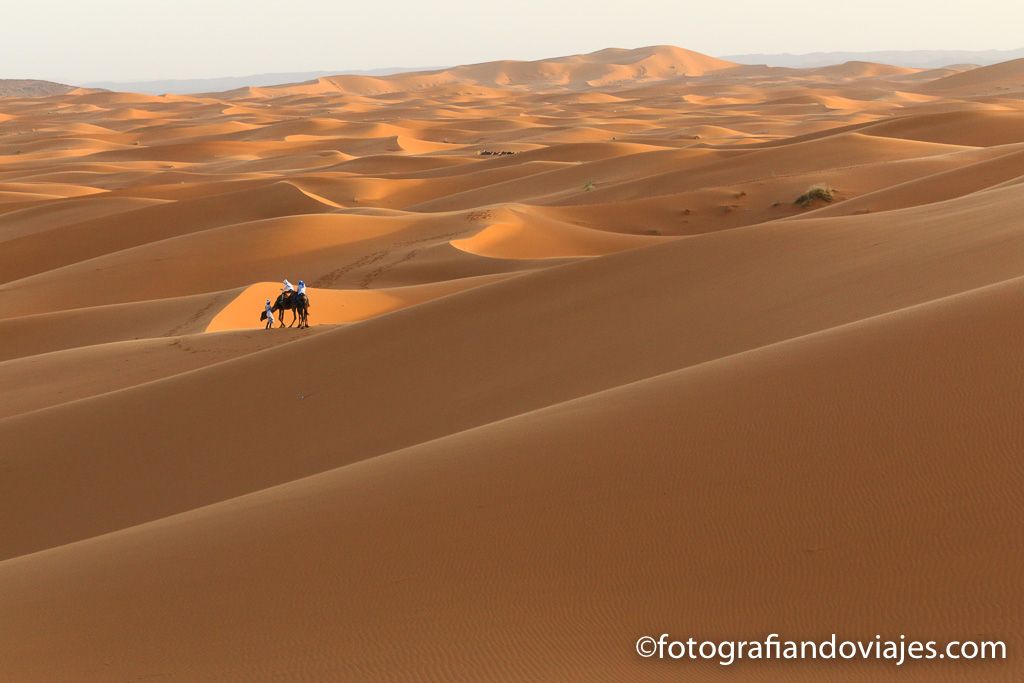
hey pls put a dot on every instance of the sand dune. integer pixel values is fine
(602, 68)
(967, 178)
(604, 546)
(1006, 77)
(862, 70)
(53, 215)
(157, 221)
(63, 376)
(332, 306)
(698, 278)
(101, 323)
(533, 236)
(581, 367)
(977, 128)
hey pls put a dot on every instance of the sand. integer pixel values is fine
(579, 369)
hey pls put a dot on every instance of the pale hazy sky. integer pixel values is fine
(76, 41)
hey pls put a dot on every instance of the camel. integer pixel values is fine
(298, 304)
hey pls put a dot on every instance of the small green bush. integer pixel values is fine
(821, 191)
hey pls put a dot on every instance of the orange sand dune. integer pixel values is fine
(795, 292)
(862, 70)
(977, 128)
(55, 190)
(568, 181)
(389, 164)
(570, 520)
(101, 323)
(826, 159)
(13, 201)
(332, 306)
(107, 234)
(1007, 77)
(532, 236)
(53, 215)
(581, 367)
(965, 179)
(596, 69)
(63, 376)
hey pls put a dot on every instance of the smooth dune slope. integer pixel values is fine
(1003, 77)
(575, 528)
(682, 303)
(46, 379)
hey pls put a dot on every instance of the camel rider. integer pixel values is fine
(302, 288)
(270, 314)
(288, 287)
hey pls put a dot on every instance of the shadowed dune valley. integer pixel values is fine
(608, 367)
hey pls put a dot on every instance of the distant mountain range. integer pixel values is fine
(508, 71)
(220, 84)
(19, 87)
(921, 59)
(656, 62)
(572, 72)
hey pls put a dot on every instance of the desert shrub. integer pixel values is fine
(821, 191)
(589, 187)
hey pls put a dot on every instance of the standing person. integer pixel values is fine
(269, 310)
(302, 304)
